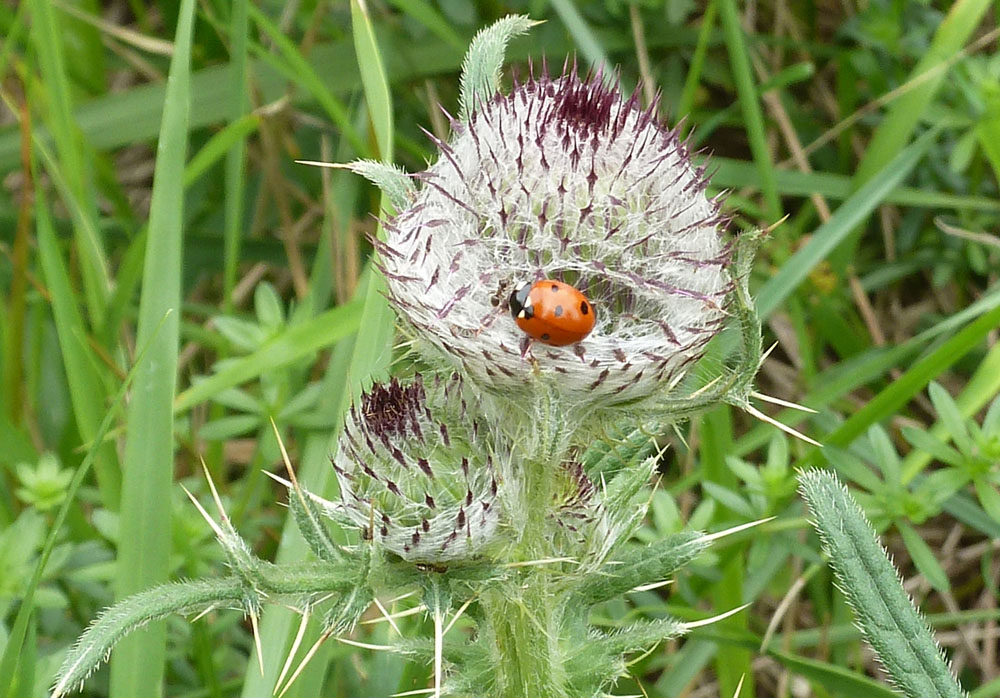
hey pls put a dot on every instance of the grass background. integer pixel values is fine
(172, 281)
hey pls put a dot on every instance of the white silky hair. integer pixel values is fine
(562, 179)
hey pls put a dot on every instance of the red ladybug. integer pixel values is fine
(552, 312)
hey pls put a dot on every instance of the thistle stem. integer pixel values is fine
(525, 630)
(524, 615)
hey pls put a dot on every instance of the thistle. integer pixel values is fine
(565, 179)
(504, 479)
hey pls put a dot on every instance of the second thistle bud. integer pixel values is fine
(417, 470)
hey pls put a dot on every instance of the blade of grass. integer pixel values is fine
(427, 15)
(12, 331)
(143, 554)
(47, 37)
(826, 238)
(239, 27)
(26, 664)
(730, 173)
(583, 36)
(693, 80)
(84, 382)
(353, 366)
(220, 144)
(739, 60)
(907, 110)
(127, 278)
(373, 78)
(731, 662)
(299, 68)
(837, 679)
(13, 36)
(902, 390)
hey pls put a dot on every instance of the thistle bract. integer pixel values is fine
(562, 179)
(416, 470)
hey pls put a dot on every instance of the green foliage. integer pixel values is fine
(279, 320)
(43, 485)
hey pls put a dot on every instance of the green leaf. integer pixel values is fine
(923, 557)
(919, 438)
(988, 497)
(850, 467)
(885, 456)
(393, 180)
(950, 416)
(884, 613)
(837, 679)
(289, 346)
(729, 499)
(137, 611)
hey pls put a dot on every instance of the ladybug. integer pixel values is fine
(552, 312)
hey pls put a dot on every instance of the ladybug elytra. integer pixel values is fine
(552, 312)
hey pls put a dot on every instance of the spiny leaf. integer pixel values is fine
(886, 616)
(138, 610)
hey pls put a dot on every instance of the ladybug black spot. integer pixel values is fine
(555, 288)
(584, 308)
(545, 337)
(558, 311)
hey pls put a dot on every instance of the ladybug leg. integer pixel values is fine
(526, 343)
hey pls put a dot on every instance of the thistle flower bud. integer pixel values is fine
(416, 470)
(562, 179)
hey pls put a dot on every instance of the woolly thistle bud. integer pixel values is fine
(416, 470)
(562, 179)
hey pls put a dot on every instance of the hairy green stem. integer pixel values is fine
(525, 628)
(524, 614)
(291, 581)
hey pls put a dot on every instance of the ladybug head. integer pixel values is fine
(520, 302)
